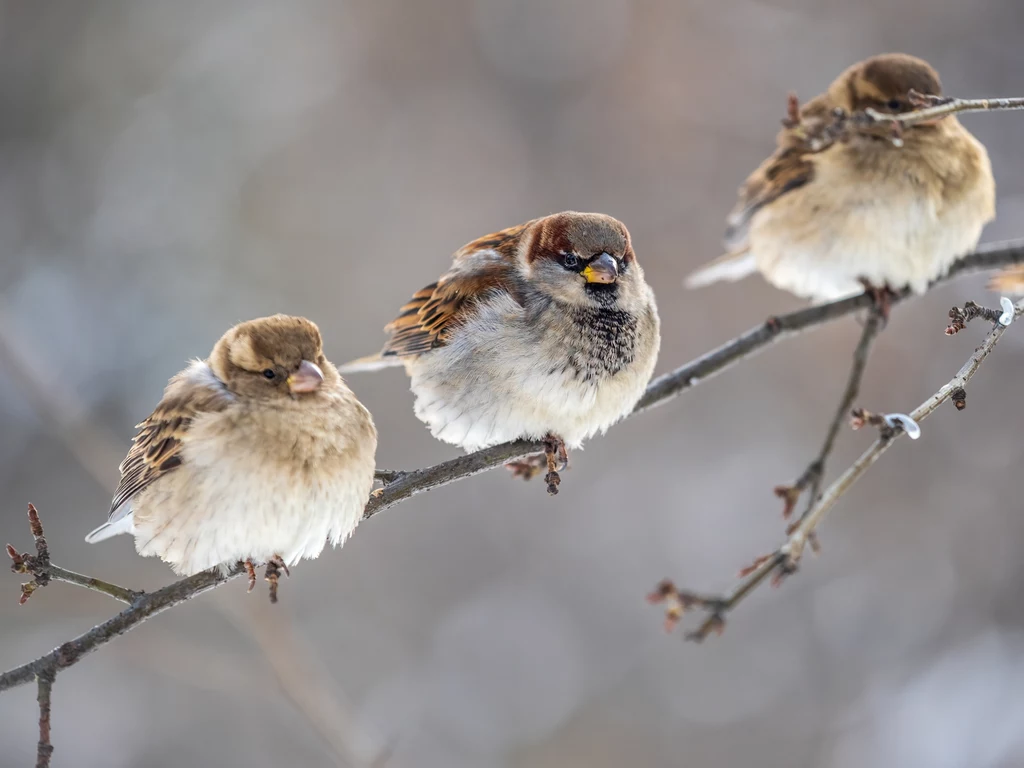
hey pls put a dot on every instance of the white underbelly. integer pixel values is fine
(197, 518)
(537, 404)
(890, 239)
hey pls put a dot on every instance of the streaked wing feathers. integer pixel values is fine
(789, 168)
(480, 268)
(786, 170)
(156, 449)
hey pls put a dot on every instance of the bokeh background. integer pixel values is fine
(168, 169)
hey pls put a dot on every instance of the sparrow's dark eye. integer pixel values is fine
(895, 105)
(268, 373)
(570, 260)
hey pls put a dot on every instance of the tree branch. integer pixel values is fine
(933, 108)
(667, 386)
(146, 605)
(125, 595)
(403, 485)
(784, 560)
(815, 472)
(44, 749)
(43, 571)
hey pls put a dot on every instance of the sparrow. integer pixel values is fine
(1010, 280)
(865, 212)
(260, 453)
(545, 331)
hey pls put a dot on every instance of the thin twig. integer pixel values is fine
(783, 561)
(44, 571)
(815, 472)
(820, 135)
(125, 595)
(945, 108)
(959, 318)
(44, 749)
(922, 412)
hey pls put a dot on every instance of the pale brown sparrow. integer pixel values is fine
(259, 453)
(822, 224)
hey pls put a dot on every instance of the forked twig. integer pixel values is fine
(813, 475)
(784, 560)
(44, 571)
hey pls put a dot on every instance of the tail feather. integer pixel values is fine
(370, 363)
(111, 528)
(730, 266)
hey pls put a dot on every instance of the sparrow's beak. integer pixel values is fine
(601, 269)
(308, 378)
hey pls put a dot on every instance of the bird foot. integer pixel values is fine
(880, 297)
(250, 571)
(273, 573)
(556, 457)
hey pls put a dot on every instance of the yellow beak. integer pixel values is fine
(307, 378)
(601, 269)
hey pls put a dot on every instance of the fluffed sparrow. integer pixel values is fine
(1010, 280)
(864, 211)
(546, 330)
(260, 453)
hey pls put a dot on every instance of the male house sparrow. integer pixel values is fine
(260, 453)
(546, 330)
(865, 212)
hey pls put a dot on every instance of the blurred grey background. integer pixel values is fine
(168, 169)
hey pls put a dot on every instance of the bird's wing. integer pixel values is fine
(789, 167)
(156, 449)
(480, 269)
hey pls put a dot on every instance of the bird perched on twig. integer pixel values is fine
(546, 330)
(873, 210)
(259, 453)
